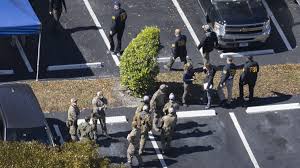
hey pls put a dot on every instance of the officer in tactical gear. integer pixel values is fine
(167, 129)
(146, 126)
(55, 10)
(227, 77)
(73, 115)
(171, 103)
(99, 104)
(84, 130)
(133, 139)
(178, 49)
(207, 44)
(119, 17)
(159, 99)
(136, 117)
(208, 83)
(188, 78)
(248, 77)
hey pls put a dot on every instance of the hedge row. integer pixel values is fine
(139, 67)
(35, 155)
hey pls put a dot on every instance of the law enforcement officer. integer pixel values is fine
(73, 114)
(84, 130)
(146, 126)
(55, 9)
(133, 139)
(228, 73)
(119, 17)
(208, 83)
(167, 129)
(171, 103)
(207, 44)
(99, 104)
(178, 49)
(72, 131)
(248, 77)
(188, 78)
(136, 117)
(157, 103)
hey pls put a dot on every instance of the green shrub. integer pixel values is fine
(139, 66)
(35, 155)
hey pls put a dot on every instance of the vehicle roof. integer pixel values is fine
(19, 106)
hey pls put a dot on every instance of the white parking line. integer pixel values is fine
(277, 107)
(186, 22)
(109, 120)
(75, 66)
(243, 138)
(298, 1)
(166, 59)
(156, 148)
(58, 133)
(196, 113)
(7, 72)
(23, 55)
(247, 53)
(286, 42)
(101, 31)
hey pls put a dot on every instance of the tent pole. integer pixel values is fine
(38, 59)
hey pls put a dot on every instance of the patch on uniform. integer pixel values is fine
(173, 45)
(113, 17)
(224, 71)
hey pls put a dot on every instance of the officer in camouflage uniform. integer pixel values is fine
(136, 117)
(99, 104)
(133, 139)
(159, 99)
(146, 126)
(171, 103)
(84, 130)
(167, 129)
(73, 114)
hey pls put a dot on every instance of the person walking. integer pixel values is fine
(170, 104)
(119, 18)
(99, 103)
(55, 10)
(188, 78)
(146, 126)
(133, 147)
(208, 82)
(248, 77)
(227, 77)
(167, 129)
(178, 49)
(207, 43)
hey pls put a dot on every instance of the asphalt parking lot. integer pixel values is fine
(79, 49)
(257, 136)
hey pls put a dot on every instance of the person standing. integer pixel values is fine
(146, 126)
(207, 43)
(55, 10)
(178, 49)
(157, 103)
(99, 104)
(136, 117)
(227, 77)
(208, 83)
(248, 77)
(171, 104)
(188, 78)
(167, 129)
(133, 139)
(119, 18)
(73, 115)
(84, 131)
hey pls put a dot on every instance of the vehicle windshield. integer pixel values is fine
(38, 134)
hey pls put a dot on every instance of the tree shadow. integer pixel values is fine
(106, 142)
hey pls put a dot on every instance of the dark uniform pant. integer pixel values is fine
(102, 124)
(119, 40)
(56, 15)
(186, 92)
(251, 89)
(173, 58)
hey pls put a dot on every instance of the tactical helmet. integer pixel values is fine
(145, 108)
(146, 98)
(171, 96)
(163, 87)
(74, 100)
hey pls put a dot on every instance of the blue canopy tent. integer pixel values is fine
(18, 18)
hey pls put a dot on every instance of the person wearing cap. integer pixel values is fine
(208, 82)
(248, 77)
(207, 43)
(55, 10)
(188, 78)
(134, 138)
(167, 129)
(157, 102)
(146, 126)
(99, 103)
(178, 49)
(119, 18)
(84, 130)
(73, 115)
(171, 103)
(227, 77)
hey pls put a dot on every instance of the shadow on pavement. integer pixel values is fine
(195, 133)
(106, 142)
(175, 152)
(188, 125)
(156, 163)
